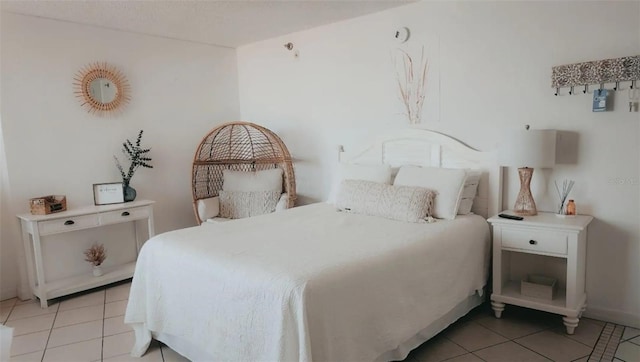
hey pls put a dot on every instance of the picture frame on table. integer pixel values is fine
(108, 193)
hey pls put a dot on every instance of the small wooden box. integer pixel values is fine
(48, 204)
(538, 286)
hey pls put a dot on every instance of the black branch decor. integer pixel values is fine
(137, 156)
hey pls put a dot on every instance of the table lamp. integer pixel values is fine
(527, 149)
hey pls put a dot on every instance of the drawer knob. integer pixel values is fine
(533, 242)
(69, 222)
(126, 213)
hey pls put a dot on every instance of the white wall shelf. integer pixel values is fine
(35, 229)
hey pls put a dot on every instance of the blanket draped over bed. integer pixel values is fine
(306, 284)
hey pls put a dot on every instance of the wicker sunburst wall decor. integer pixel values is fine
(101, 88)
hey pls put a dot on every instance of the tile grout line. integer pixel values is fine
(104, 312)
(10, 311)
(527, 348)
(161, 351)
(478, 357)
(57, 311)
(575, 340)
(630, 338)
(50, 331)
(509, 339)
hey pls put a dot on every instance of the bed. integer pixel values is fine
(314, 284)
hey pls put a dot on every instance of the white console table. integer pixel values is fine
(36, 226)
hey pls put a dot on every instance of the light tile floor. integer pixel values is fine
(90, 327)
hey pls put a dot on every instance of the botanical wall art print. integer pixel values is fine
(417, 80)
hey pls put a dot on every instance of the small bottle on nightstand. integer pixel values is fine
(571, 208)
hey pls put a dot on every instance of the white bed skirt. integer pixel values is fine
(193, 353)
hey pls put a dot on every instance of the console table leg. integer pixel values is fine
(571, 323)
(497, 308)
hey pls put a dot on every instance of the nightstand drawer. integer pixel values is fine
(118, 216)
(536, 241)
(67, 224)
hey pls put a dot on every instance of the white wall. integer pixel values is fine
(494, 69)
(180, 90)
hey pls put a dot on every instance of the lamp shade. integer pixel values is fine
(529, 148)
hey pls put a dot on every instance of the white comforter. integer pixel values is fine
(309, 283)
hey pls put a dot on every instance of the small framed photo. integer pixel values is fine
(108, 193)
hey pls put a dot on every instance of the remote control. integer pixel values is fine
(512, 217)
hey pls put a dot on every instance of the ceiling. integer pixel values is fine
(224, 23)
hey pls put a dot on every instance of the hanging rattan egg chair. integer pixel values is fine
(238, 146)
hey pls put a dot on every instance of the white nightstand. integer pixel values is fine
(545, 245)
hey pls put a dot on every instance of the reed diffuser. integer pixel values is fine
(563, 193)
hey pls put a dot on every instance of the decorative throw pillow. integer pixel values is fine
(241, 204)
(265, 180)
(283, 202)
(350, 171)
(208, 208)
(469, 192)
(404, 203)
(446, 182)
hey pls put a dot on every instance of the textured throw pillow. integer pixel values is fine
(404, 203)
(469, 192)
(446, 182)
(349, 171)
(265, 180)
(241, 204)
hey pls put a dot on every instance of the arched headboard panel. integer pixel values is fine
(422, 147)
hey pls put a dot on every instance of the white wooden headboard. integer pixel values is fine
(422, 147)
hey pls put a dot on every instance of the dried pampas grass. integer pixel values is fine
(96, 254)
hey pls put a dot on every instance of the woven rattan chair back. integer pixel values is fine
(239, 146)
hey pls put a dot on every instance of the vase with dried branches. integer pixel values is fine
(96, 255)
(412, 83)
(138, 157)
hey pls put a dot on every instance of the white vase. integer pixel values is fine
(97, 270)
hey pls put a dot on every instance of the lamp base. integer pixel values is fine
(525, 205)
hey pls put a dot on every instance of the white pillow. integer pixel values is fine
(348, 171)
(283, 203)
(217, 220)
(404, 203)
(241, 204)
(208, 208)
(265, 180)
(469, 192)
(446, 182)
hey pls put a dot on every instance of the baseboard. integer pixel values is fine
(8, 293)
(613, 316)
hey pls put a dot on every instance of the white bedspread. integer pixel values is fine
(309, 283)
